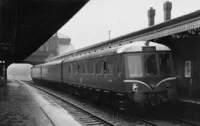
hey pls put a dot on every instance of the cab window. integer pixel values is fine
(150, 65)
(133, 66)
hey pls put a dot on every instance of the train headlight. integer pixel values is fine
(135, 87)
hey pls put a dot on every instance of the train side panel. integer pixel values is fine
(73, 73)
(89, 76)
(108, 74)
(52, 72)
(100, 73)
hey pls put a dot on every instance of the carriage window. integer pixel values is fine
(105, 67)
(86, 67)
(93, 67)
(74, 68)
(117, 69)
(89, 67)
(133, 66)
(82, 68)
(69, 69)
(99, 67)
(79, 68)
(150, 65)
(110, 68)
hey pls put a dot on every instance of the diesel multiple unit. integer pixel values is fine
(141, 71)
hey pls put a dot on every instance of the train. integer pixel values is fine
(141, 72)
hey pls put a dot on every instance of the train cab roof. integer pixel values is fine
(142, 46)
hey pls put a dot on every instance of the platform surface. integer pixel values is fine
(20, 105)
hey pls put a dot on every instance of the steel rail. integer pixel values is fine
(90, 118)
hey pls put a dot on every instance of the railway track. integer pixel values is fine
(88, 118)
(85, 117)
(170, 120)
(186, 121)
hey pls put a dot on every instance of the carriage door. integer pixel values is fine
(188, 75)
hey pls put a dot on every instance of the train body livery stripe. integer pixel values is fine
(166, 79)
(137, 81)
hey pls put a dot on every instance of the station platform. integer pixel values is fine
(22, 105)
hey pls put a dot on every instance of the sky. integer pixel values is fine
(94, 21)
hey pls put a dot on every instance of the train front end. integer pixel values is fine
(149, 75)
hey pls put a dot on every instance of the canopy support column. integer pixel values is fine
(3, 73)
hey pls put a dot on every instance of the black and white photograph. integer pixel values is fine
(99, 63)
